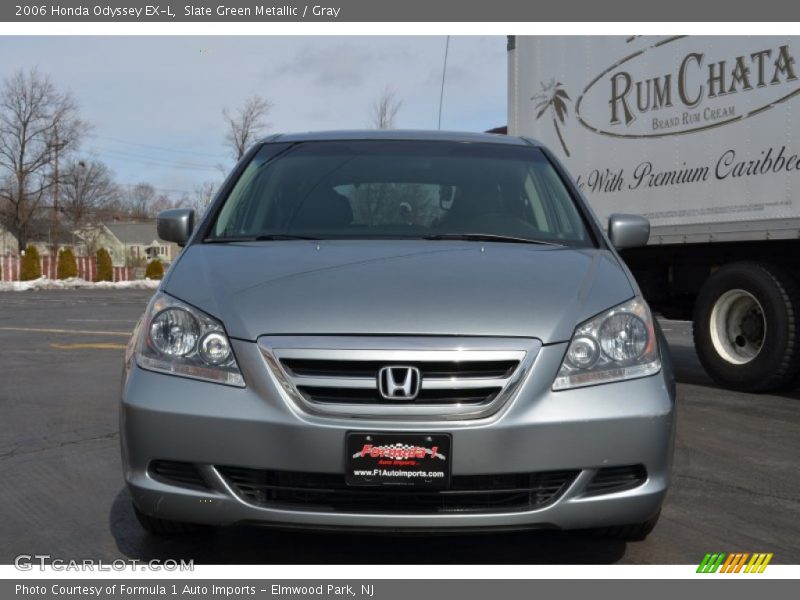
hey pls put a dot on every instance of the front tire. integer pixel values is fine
(747, 327)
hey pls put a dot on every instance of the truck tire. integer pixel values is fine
(747, 327)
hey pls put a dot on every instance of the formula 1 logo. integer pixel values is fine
(735, 562)
(398, 451)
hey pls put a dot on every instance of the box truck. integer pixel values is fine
(701, 135)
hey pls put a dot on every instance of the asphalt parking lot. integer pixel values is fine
(735, 477)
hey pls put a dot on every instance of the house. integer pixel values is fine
(8, 243)
(130, 243)
(44, 245)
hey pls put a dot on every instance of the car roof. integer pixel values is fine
(401, 134)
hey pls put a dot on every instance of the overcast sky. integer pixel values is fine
(140, 92)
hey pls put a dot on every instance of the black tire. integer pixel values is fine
(164, 527)
(778, 359)
(635, 532)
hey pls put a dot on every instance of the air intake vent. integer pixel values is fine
(176, 473)
(616, 479)
(467, 493)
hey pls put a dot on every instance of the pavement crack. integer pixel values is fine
(738, 488)
(16, 452)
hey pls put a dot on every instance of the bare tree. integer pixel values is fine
(162, 202)
(36, 123)
(203, 196)
(199, 199)
(88, 192)
(140, 200)
(385, 109)
(246, 124)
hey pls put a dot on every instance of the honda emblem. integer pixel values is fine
(399, 383)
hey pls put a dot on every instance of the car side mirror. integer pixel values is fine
(628, 231)
(175, 225)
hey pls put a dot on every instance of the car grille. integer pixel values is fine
(467, 493)
(363, 368)
(176, 473)
(616, 479)
(458, 377)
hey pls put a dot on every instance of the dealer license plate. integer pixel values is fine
(398, 459)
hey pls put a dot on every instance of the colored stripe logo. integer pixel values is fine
(735, 562)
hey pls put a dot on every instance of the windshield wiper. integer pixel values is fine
(487, 237)
(284, 236)
(258, 238)
(227, 240)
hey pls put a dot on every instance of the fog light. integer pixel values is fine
(583, 352)
(214, 348)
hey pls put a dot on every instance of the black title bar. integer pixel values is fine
(207, 11)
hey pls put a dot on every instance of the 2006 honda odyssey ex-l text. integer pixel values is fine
(403, 331)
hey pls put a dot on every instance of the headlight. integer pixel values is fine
(615, 345)
(180, 340)
(174, 332)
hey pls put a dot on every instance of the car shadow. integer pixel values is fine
(255, 545)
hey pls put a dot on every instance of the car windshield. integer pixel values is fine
(366, 189)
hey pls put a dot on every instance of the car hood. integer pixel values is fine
(378, 287)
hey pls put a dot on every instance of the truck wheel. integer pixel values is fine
(747, 327)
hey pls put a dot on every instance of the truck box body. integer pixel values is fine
(701, 135)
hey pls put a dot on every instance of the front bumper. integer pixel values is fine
(170, 418)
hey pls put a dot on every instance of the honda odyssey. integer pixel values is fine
(398, 331)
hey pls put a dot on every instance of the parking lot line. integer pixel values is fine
(67, 331)
(88, 346)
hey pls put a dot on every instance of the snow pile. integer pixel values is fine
(73, 283)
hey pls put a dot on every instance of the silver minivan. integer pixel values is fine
(398, 330)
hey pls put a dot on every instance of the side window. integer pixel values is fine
(235, 218)
(569, 222)
(552, 207)
(537, 208)
(231, 220)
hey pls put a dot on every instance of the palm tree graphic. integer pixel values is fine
(554, 98)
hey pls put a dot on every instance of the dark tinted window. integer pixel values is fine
(373, 189)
